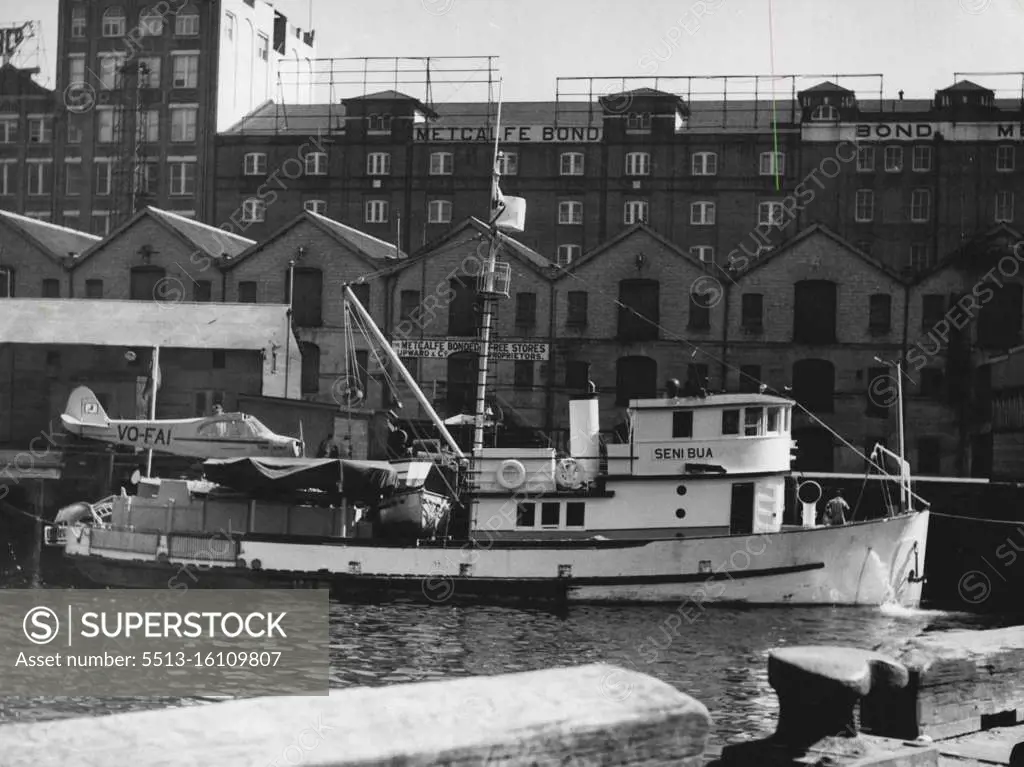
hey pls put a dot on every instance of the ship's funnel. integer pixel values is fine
(585, 435)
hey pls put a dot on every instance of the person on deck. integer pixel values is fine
(221, 427)
(328, 448)
(836, 510)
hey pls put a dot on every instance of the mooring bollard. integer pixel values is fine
(819, 689)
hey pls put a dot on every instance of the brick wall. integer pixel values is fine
(184, 266)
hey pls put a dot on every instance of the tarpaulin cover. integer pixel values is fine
(360, 481)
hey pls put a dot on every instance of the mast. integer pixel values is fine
(154, 383)
(904, 467)
(486, 290)
(373, 330)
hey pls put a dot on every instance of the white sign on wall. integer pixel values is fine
(445, 347)
(913, 131)
(512, 134)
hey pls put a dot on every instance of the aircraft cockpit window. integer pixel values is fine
(256, 427)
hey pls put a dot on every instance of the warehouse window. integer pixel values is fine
(307, 299)
(635, 212)
(310, 367)
(638, 164)
(255, 164)
(147, 283)
(571, 164)
(442, 163)
(638, 310)
(814, 312)
(705, 164)
(570, 212)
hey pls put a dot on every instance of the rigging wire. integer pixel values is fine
(695, 347)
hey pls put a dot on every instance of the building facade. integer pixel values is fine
(28, 115)
(142, 89)
(817, 317)
(908, 181)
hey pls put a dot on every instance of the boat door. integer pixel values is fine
(741, 516)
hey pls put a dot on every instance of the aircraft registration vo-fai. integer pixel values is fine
(225, 435)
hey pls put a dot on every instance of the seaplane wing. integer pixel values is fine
(227, 435)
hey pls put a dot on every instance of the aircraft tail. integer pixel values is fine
(83, 410)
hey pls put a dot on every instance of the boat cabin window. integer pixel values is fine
(730, 422)
(753, 422)
(575, 512)
(549, 514)
(773, 419)
(682, 424)
(525, 515)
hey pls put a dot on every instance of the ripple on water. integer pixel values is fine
(720, 658)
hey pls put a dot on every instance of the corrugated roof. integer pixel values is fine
(58, 242)
(735, 114)
(368, 244)
(211, 240)
(104, 322)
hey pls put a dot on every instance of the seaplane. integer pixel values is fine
(223, 435)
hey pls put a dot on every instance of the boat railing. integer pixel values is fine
(215, 547)
(55, 535)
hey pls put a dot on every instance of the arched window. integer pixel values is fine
(151, 23)
(462, 374)
(150, 283)
(186, 22)
(814, 383)
(310, 367)
(814, 312)
(114, 21)
(635, 378)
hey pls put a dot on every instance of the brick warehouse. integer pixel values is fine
(908, 181)
(812, 314)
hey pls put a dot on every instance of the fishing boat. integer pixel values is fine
(688, 507)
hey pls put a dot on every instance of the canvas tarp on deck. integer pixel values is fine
(359, 481)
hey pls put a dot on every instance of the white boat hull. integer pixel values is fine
(867, 563)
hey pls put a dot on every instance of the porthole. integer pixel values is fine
(681, 490)
(680, 513)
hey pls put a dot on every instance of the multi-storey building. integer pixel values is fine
(143, 88)
(907, 181)
(27, 116)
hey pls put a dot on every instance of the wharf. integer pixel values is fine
(938, 700)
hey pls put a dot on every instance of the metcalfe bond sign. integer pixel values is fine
(913, 131)
(444, 347)
(511, 134)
